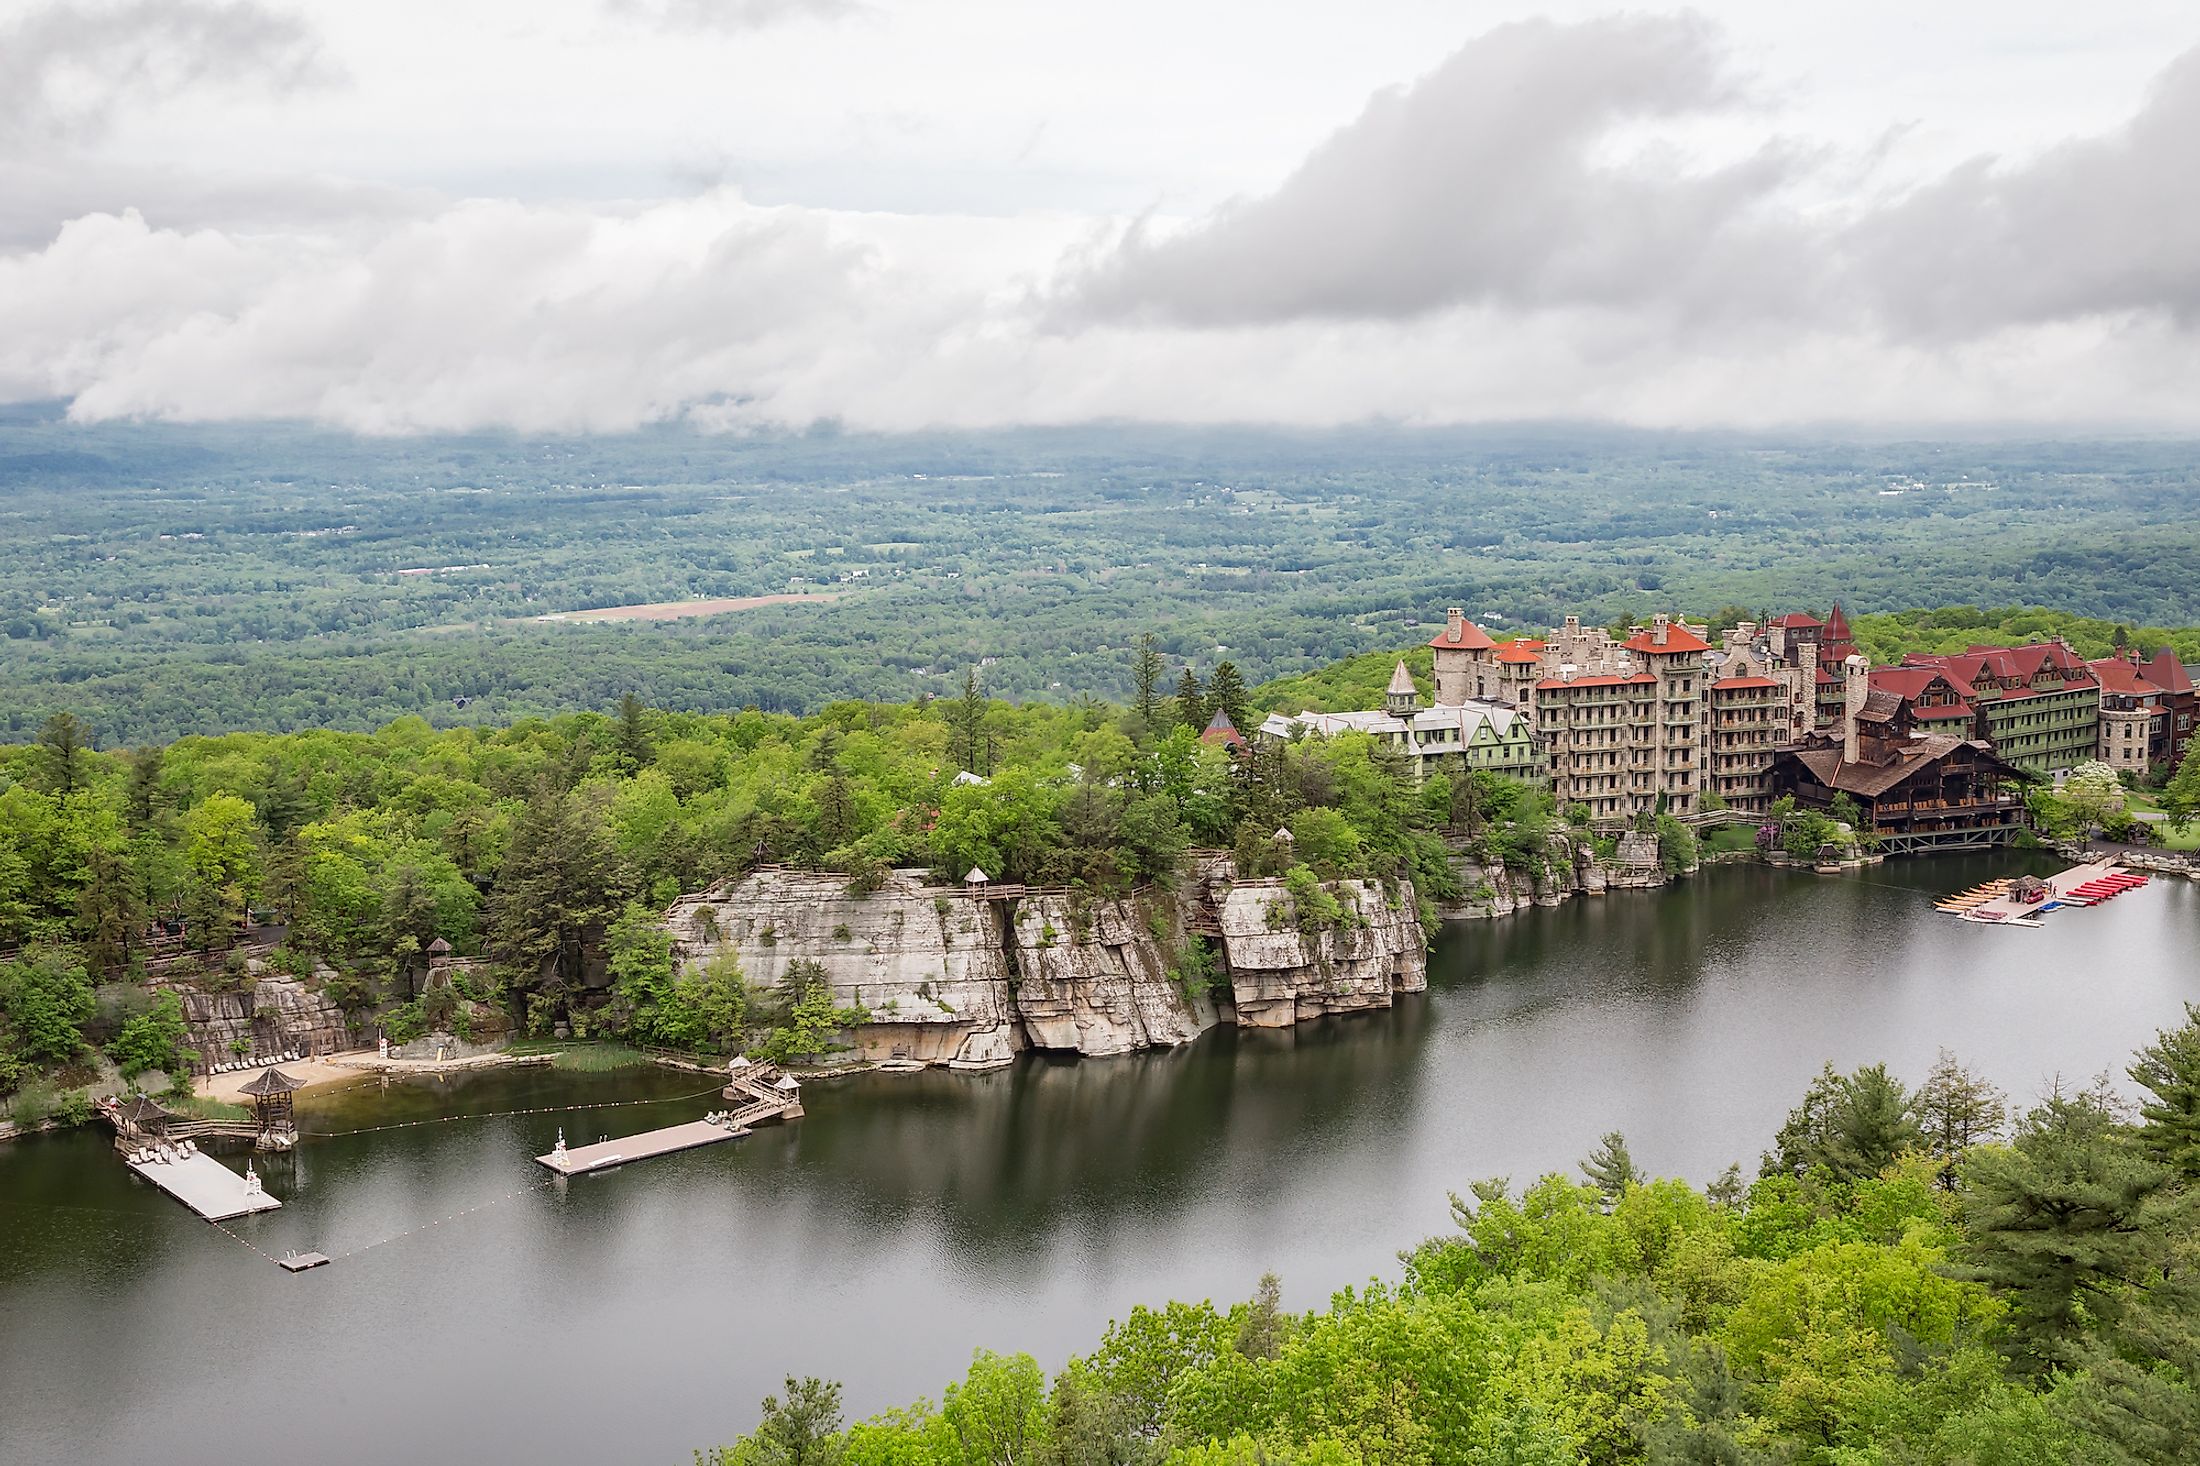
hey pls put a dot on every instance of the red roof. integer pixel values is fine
(1527, 649)
(1837, 625)
(1939, 711)
(1730, 682)
(1678, 638)
(1472, 638)
(1796, 620)
(2167, 673)
(1910, 680)
(2117, 675)
(1599, 681)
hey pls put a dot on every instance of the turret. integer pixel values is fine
(1401, 697)
(1856, 686)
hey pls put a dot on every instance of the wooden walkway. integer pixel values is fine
(2007, 910)
(605, 1154)
(206, 1186)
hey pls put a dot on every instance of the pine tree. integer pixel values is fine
(1955, 1110)
(1852, 1125)
(2169, 1070)
(1146, 683)
(67, 765)
(967, 719)
(633, 735)
(2060, 1220)
(1191, 701)
(558, 880)
(1610, 1168)
(1226, 690)
(146, 799)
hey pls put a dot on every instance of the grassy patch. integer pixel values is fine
(1729, 838)
(582, 1056)
(199, 1107)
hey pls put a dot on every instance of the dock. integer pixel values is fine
(207, 1186)
(2081, 885)
(605, 1154)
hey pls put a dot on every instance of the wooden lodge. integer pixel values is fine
(1915, 791)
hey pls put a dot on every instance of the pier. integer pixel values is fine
(760, 1091)
(206, 1185)
(2020, 902)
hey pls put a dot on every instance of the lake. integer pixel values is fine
(635, 1315)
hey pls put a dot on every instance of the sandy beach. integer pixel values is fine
(311, 1074)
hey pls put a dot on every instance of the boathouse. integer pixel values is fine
(1914, 791)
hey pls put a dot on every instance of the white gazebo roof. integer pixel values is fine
(977, 876)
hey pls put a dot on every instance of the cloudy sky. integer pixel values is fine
(583, 215)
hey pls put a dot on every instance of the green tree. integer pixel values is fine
(632, 739)
(221, 857)
(967, 718)
(146, 800)
(152, 1039)
(1610, 1168)
(559, 881)
(803, 1429)
(1955, 1110)
(641, 971)
(1851, 1125)
(2169, 1070)
(47, 997)
(1146, 669)
(2181, 796)
(66, 765)
(2060, 1220)
(1226, 690)
(1191, 701)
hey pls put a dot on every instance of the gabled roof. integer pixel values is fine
(2117, 675)
(1872, 780)
(1472, 638)
(1526, 649)
(2167, 673)
(1678, 638)
(270, 1082)
(1797, 620)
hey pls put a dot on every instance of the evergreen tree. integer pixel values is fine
(1226, 690)
(1191, 701)
(1610, 1168)
(633, 735)
(2060, 1220)
(1852, 1125)
(558, 882)
(967, 720)
(1146, 684)
(2169, 1070)
(1955, 1110)
(2181, 796)
(146, 800)
(67, 763)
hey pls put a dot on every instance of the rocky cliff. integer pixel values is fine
(1282, 970)
(1094, 978)
(953, 977)
(274, 1015)
(931, 966)
(1490, 888)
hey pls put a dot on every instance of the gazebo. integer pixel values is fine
(142, 1117)
(270, 1092)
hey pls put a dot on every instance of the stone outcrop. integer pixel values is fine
(1489, 888)
(930, 965)
(951, 976)
(273, 1015)
(1094, 978)
(1283, 972)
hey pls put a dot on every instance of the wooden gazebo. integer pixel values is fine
(142, 1118)
(270, 1092)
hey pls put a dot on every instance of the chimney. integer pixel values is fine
(1455, 623)
(1857, 686)
(1658, 624)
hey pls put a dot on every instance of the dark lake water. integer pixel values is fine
(909, 1219)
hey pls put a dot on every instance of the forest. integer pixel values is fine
(547, 849)
(1912, 1276)
(160, 581)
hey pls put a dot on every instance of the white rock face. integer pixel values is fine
(929, 964)
(278, 1014)
(1094, 979)
(1282, 975)
(1493, 890)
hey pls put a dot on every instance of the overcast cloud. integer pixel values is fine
(1671, 220)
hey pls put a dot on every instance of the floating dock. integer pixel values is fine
(2081, 885)
(207, 1186)
(605, 1154)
